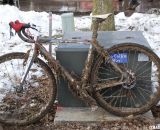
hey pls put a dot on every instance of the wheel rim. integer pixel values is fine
(19, 108)
(143, 93)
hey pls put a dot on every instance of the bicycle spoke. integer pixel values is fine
(108, 70)
(111, 96)
(145, 90)
(128, 59)
(117, 97)
(105, 91)
(134, 61)
(124, 65)
(132, 93)
(143, 66)
(121, 98)
(127, 102)
(137, 97)
(141, 94)
(10, 78)
(143, 77)
(15, 75)
(147, 80)
(20, 73)
(107, 74)
(149, 69)
(137, 65)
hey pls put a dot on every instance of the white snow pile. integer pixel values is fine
(148, 23)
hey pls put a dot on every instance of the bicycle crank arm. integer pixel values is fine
(101, 86)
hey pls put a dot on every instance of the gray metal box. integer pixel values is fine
(72, 56)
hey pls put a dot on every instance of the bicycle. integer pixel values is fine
(29, 80)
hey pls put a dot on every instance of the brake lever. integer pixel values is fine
(34, 28)
(10, 32)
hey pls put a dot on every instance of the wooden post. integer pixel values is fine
(126, 4)
(103, 7)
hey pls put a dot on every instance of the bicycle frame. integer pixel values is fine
(123, 79)
(78, 87)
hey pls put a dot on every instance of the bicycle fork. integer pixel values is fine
(29, 62)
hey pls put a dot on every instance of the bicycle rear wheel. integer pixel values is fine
(38, 95)
(133, 98)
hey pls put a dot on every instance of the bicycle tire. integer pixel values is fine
(37, 97)
(122, 100)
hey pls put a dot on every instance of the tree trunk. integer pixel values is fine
(104, 7)
(125, 6)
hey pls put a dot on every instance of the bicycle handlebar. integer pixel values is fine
(20, 28)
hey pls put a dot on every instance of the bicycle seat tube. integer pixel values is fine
(101, 49)
(90, 57)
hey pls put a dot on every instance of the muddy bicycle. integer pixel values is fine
(28, 81)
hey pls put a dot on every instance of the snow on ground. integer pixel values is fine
(148, 23)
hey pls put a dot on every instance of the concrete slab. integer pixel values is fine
(68, 114)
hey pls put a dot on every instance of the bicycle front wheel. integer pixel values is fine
(142, 89)
(38, 94)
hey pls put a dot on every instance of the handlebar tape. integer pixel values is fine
(24, 38)
(17, 26)
(20, 29)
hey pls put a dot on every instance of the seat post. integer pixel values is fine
(95, 28)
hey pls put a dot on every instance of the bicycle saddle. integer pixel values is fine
(103, 16)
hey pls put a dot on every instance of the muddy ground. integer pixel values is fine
(130, 123)
(140, 122)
